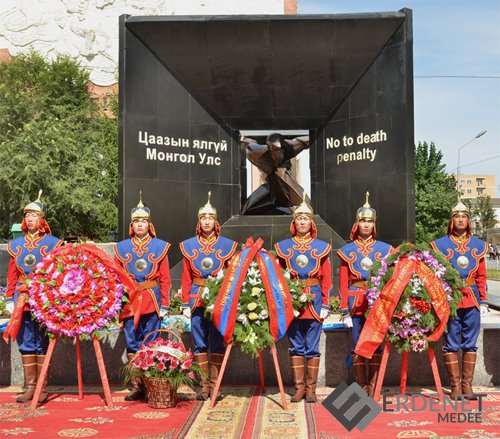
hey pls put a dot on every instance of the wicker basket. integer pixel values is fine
(161, 394)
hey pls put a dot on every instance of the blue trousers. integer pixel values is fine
(304, 335)
(205, 334)
(463, 331)
(134, 337)
(358, 321)
(31, 337)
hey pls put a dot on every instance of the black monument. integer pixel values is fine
(189, 84)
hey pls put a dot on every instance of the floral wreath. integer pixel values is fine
(77, 289)
(252, 327)
(414, 318)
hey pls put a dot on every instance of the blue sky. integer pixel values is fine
(450, 38)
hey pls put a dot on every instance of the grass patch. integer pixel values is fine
(493, 274)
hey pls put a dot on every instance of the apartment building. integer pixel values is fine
(477, 185)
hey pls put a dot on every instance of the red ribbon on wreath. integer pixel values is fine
(380, 316)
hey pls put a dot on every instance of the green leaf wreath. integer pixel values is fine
(251, 330)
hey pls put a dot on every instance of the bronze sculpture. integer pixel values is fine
(280, 191)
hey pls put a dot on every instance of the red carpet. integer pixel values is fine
(64, 415)
(242, 413)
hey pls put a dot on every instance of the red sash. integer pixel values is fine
(16, 318)
(438, 299)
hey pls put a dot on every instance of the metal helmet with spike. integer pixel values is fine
(140, 211)
(366, 212)
(36, 206)
(207, 209)
(460, 207)
(303, 208)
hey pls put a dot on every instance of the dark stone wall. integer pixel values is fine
(367, 145)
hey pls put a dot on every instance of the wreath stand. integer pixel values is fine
(404, 372)
(100, 364)
(274, 353)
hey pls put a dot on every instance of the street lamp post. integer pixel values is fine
(477, 136)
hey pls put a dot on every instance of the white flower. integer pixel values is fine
(303, 298)
(253, 264)
(407, 307)
(220, 274)
(205, 294)
(242, 318)
(287, 274)
(296, 313)
(253, 281)
(263, 315)
(210, 309)
(251, 338)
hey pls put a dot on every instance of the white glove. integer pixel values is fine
(484, 310)
(9, 306)
(163, 313)
(324, 313)
(347, 321)
(186, 312)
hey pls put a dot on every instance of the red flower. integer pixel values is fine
(161, 366)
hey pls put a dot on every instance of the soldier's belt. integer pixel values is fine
(470, 282)
(22, 280)
(308, 282)
(357, 293)
(360, 284)
(199, 281)
(141, 286)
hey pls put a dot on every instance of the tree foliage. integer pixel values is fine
(55, 136)
(435, 193)
(484, 216)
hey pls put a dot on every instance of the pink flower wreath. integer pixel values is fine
(77, 289)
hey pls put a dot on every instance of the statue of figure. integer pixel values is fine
(280, 191)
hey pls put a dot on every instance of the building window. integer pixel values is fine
(469, 181)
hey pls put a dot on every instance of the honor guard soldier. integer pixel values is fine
(307, 258)
(204, 255)
(25, 253)
(356, 261)
(466, 254)
(144, 257)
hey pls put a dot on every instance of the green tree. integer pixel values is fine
(55, 136)
(484, 215)
(435, 193)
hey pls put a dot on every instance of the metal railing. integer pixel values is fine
(492, 264)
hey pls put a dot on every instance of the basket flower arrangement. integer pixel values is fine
(77, 290)
(252, 328)
(416, 290)
(163, 365)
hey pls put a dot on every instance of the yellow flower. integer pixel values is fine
(253, 316)
(255, 291)
(251, 306)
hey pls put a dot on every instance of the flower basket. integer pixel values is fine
(161, 394)
(163, 365)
